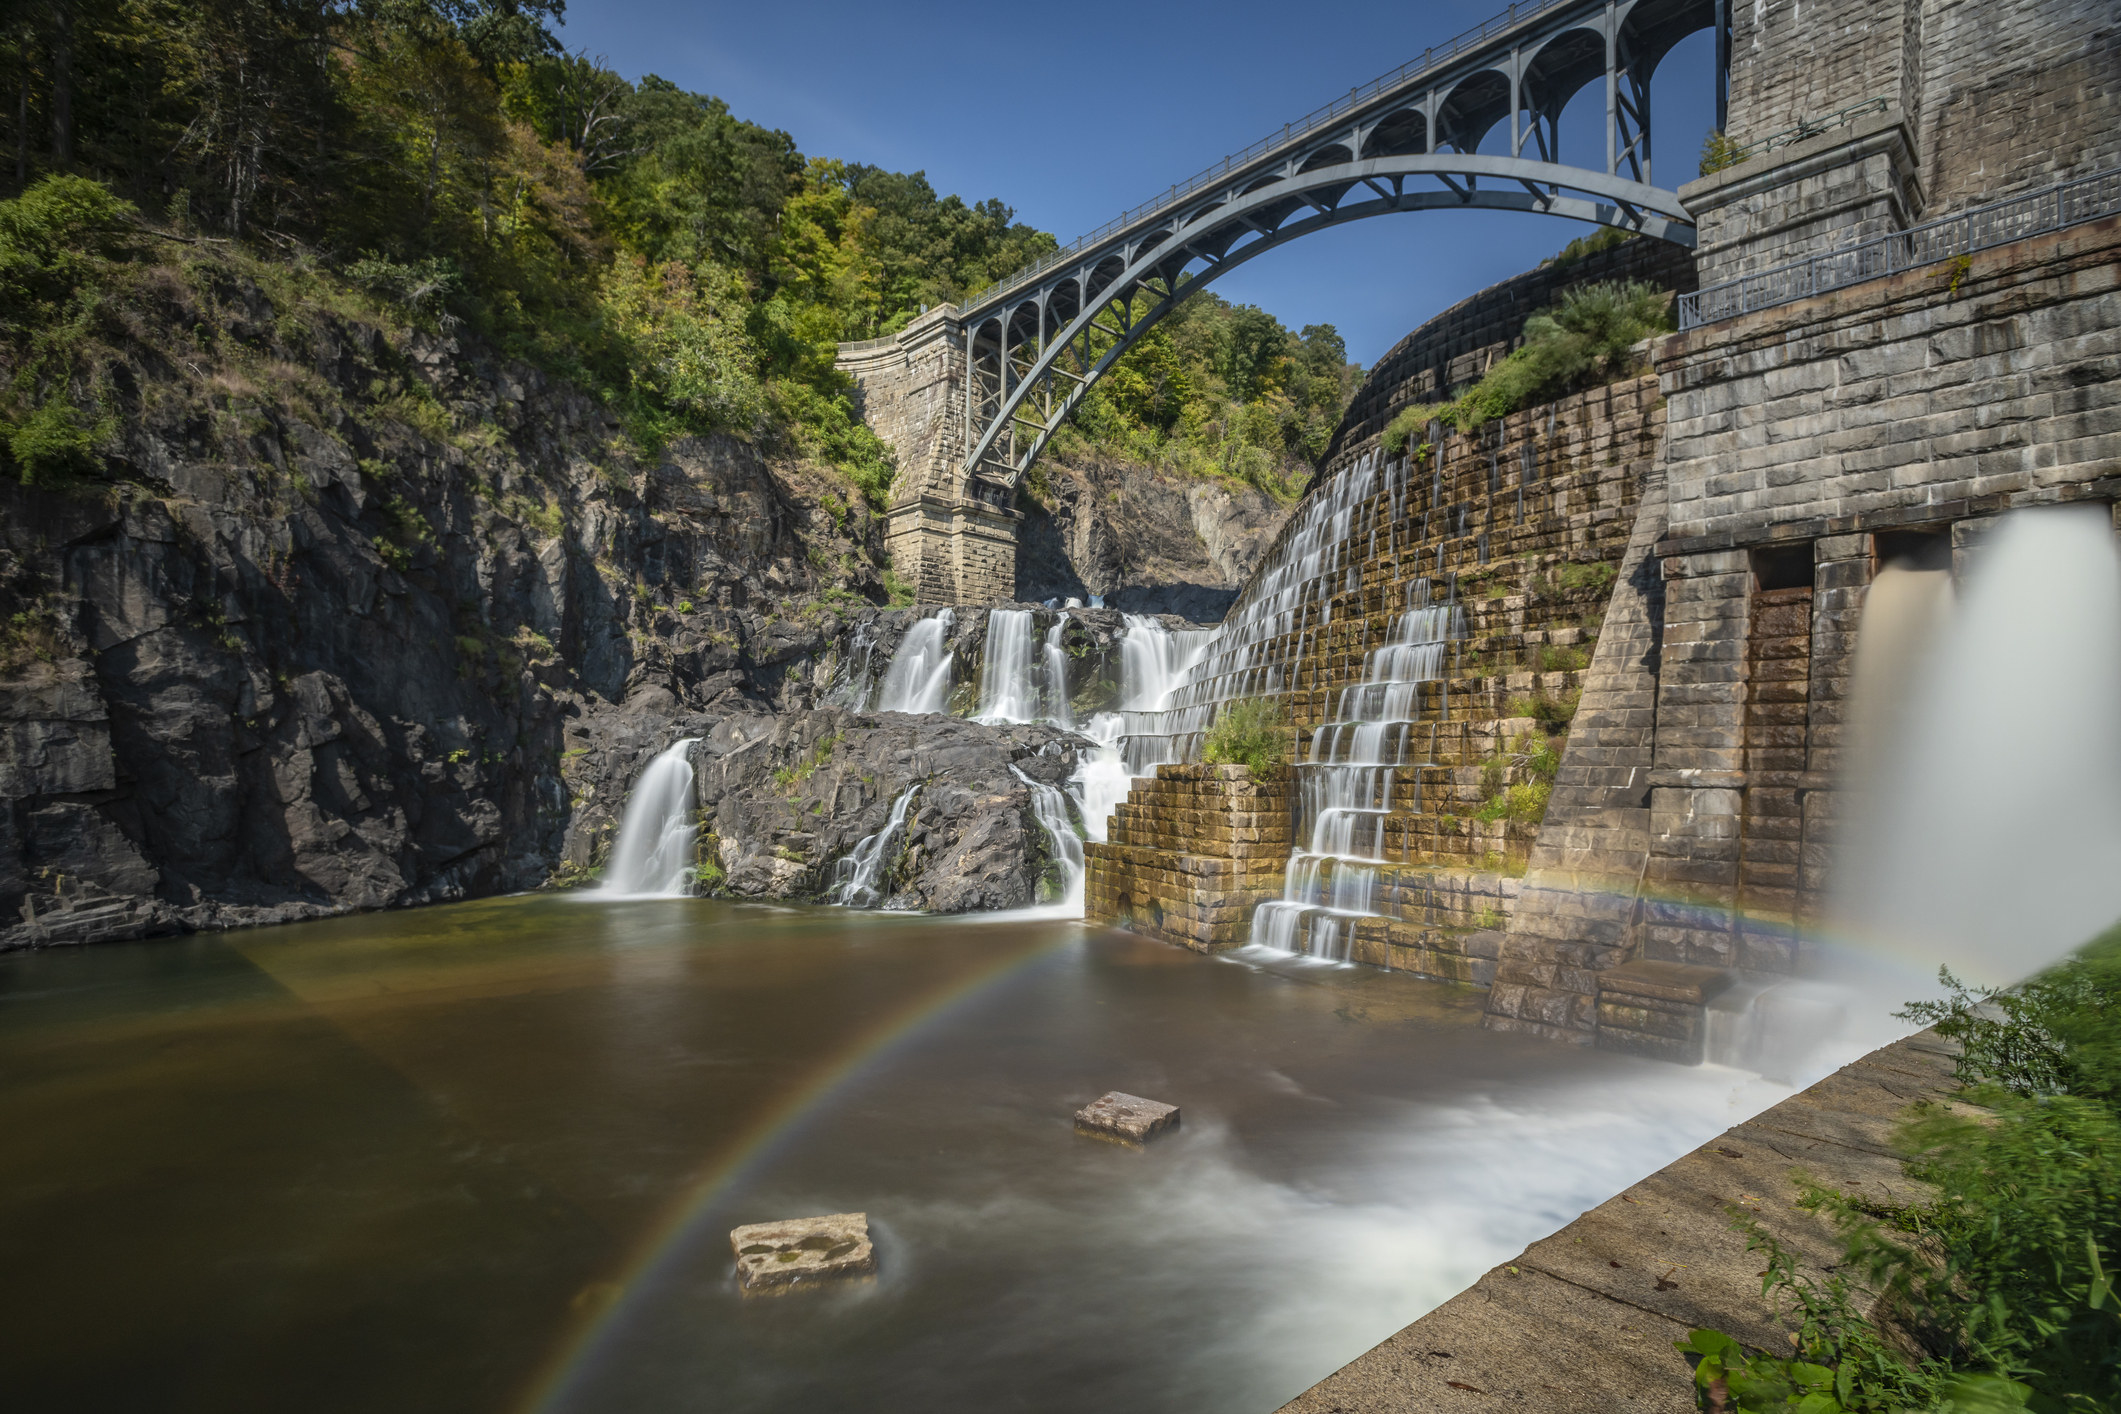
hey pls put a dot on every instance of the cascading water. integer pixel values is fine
(1059, 710)
(854, 878)
(1063, 846)
(1984, 801)
(855, 681)
(1153, 660)
(918, 679)
(1347, 783)
(1318, 557)
(653, 855)
(1008, 675)
(1020, 682)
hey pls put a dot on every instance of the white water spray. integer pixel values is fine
(1983, 807)
(653, 855)
(1988, 823)
(1021, 681)
(854, 878)
(1153, 661)
(1008, 675)
(1063, 845)
(918, 679)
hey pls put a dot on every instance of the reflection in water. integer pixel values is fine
(485, 1157)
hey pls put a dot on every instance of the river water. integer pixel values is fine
(486, 1157)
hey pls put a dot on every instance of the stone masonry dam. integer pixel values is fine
(1900, 320)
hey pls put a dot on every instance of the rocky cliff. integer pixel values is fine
(1149, 542)
(348, 614)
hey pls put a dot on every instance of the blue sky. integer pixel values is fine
(1071, 113)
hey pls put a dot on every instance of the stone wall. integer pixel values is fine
(1191, 853)
(1797, 60)
(909, 388)
(1524, 522)
(2016, 96)
(948, 546)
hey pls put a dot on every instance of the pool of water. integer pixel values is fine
(486, 1158)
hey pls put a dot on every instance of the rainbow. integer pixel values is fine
(657, 1250)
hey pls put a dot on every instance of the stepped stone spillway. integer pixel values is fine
(1518, 530)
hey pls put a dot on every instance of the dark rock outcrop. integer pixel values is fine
(316, 641)
(358, 616)
(783, 797)
(1145, 541)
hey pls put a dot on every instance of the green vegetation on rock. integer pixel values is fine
(1998, 1292)
(1252, 732)
(443, 162)
(1584, 338)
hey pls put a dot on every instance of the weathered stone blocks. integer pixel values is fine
(1128, 1118)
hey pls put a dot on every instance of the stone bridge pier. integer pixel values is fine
(952, 540)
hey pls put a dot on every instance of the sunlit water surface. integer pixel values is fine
(486, 1157)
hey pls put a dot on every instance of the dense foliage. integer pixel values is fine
(1585, 337)
(1252, 732)
(1221, 390)
(2000, 1290)
(450, 160)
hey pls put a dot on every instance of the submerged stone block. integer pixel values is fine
(1131, 1118)
(783, 1254)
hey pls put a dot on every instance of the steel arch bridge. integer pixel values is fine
(1035, 343)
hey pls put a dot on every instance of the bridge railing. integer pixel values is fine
(2066, 203)
(1304, 127)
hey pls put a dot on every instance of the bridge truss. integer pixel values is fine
(1035, 343)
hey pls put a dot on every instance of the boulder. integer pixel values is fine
(1129, 1118)
(784, 1254)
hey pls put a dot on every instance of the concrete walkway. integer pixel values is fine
(1584, 1320)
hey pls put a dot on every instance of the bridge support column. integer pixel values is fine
(951, 547)
(954, 550)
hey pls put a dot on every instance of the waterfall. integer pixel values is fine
(1258, 650)
(853, 684)
(918, 679)
(653, 855)
(1346, 785)
(1019, 682)
(854, 877)
(1153, 660)
(1058, 708)
(1008, 676)
(1063, 845)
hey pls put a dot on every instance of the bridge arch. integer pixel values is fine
(1035, 343)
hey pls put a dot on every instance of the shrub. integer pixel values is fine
(1251, 732)
(2006, 1278)
(54, 443)
(1719, 152)
(1582, 338)
(49, 239)
(1553, 713)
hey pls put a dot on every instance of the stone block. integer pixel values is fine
(1128, 1118)
(802, 1250)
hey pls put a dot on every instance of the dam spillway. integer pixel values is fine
(1498, 550)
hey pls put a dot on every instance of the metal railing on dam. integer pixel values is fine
(2066, 203)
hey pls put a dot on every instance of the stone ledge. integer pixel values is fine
(1582, 1322)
